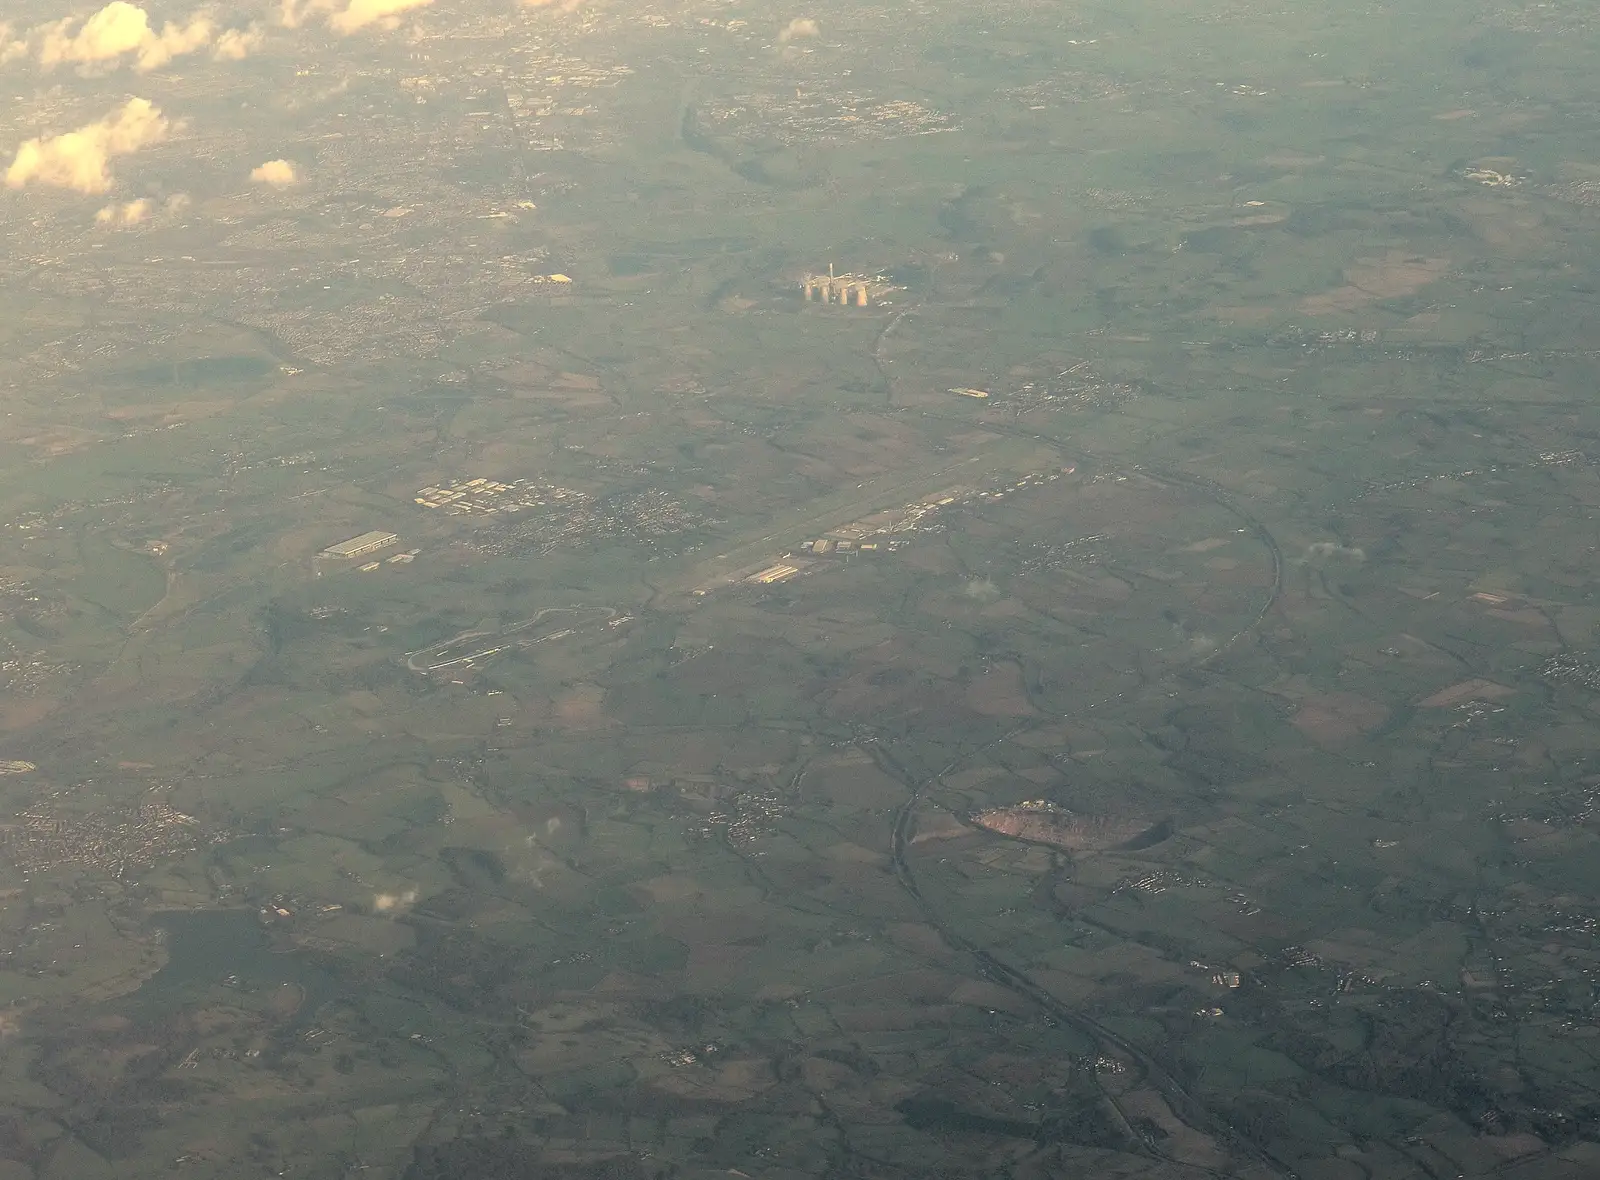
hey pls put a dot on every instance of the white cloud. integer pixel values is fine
(174, 41)
(358, 14)
(237, 44)
(290, 13)
(116, 29)
(121, 29)
(81, 159)
(277, 173)
(351, 16)
(388, 903)
(130, 214)
(800, 26)
(11, 47)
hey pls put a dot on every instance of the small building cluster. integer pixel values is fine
(405, 558)
(118, 841)
(835, 547)
(485, 495)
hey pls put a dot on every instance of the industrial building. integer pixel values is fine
(823, 546)
(775, 573)
(365, 543)
(846, 290)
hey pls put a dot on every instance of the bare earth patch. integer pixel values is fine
(734, 1081)
(1292, 160)
(57, 440)
(1242, 314)
(1334, 717)
(22, 712)
(1369, 280)
(999, 692)
(581, 707)
(1476, 689)
(1046, 824)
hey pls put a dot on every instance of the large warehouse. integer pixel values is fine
(365, 543)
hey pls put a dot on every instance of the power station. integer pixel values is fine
(846, 290)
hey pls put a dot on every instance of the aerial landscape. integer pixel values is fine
(934, 589)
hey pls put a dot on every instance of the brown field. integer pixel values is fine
(1370, 280)
(1336, 717)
